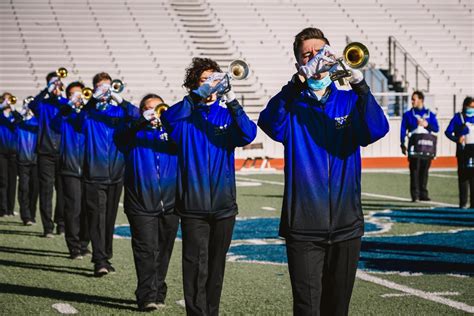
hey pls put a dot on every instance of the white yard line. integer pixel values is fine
(422, 294)
(390, 197)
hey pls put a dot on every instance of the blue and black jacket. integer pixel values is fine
(27, 141)
(150, 169)
(410, 122)
(206, 137)
(46, 108)
(322, 195)
(457, 128)
(8, 133)
(103, 161)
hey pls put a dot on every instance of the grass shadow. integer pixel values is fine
(35, 252)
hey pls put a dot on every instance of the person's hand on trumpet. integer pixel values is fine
(55, 86)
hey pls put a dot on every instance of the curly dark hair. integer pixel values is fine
(194, 71)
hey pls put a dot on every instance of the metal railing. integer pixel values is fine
(403, 67)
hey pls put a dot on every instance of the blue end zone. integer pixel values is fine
(435, 216)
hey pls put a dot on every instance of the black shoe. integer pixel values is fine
(76, 256)
(60, 231)
(425, 198)
(149, 307)
(86, 252)
(110, 269)
(414, 200)
(100, 272)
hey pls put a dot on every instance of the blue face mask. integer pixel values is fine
(321, 84)
(470, 112)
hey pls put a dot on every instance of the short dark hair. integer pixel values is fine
(306, 34)
(73, 85)
(466, 103)
(51, 75)
(148, 97)
(99, 77)
(419, 94)
(194, 71)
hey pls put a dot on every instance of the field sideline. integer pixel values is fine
(417, 258)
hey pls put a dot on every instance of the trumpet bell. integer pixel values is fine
(61, 72)
(13, 100)
(87, 93)
(356, 55)
(239, 69)
(117, 86)
(160, 108)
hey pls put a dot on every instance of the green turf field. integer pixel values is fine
(36, 273)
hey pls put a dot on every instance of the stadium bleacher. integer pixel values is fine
(148, 44)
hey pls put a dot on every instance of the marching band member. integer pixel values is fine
(461, 131)
(103, 167)
(46, 107)
(150, 189)
(28, 186)
(8, 150)
(418, 120)
(322, 129)
(207, 130)
(72, 165)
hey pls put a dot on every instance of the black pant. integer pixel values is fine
(102, 204)
(49, 178)
(205, 245)
(465, 182)
(28, 187)
(322, 276)
(75, 216)
(152, 244)
(8, 174)
(419, 168)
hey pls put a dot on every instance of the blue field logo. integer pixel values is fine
(256, 240)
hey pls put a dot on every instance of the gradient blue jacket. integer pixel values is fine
(150, 169)
(410, 122)
(103, 161)
(8, 133)
(322, 195)
(46, 109)
(72, 144)
(457, 128)
(206, 137)
(27, 141)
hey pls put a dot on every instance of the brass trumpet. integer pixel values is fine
(117, 86)
(238, 69)
(28, 100)
(356, 55)
(12, 100)
(61, 72)
(159, 109)
(87, 93)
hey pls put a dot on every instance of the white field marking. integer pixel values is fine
(268, 208)
(269, 241)
(247, 184)
(64, 308)
(419, 293)
(383, 222)
(121, 204)
(390, 197)
(450, 231)
(181, 303)
(433, 293)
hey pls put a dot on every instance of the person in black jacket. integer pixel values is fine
(8, 149)
(46, 107)
(150, 189)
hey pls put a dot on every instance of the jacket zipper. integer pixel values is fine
(329, 182)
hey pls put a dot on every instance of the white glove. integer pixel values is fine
(102, 92)
(116, 97)
(149, 115)
(323, 61)
(223, 86)
(230, 96)
(53, 84)
(210, 85)
(357, 76)
(4, 104)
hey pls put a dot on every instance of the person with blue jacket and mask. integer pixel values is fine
(207, 128)
(71, 169)
(461, 131)
(46, 107)
(417, 121)
(9, 119)
(150, 191)
(28, 183)
(322, 129)
(106, 113)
